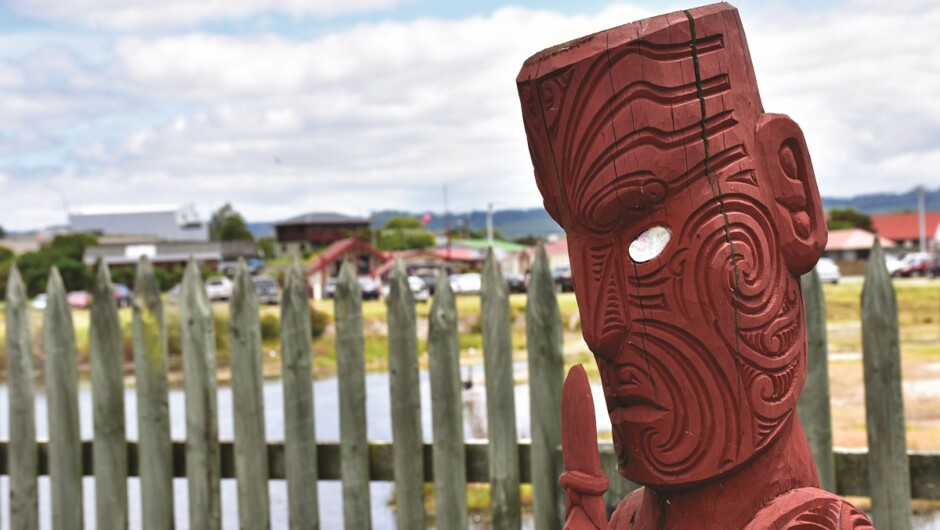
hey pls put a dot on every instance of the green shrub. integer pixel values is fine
(220, 323)
(174, 334)
(270, 327)
(318, 322)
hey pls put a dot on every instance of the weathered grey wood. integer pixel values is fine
(500, 400)
(106, 345)
(546, 376)
(851, 465)
(350, 367)
(153, 417)
(888, 471)
(202, 419)
(813, 408)
(405, 387)
(450, 478)
(618, 487)
(248, 404)
(299, 427)
(65, 458)
(24, 507)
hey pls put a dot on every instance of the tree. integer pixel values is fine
(844, 218)
(226, 224)
(403, 233)
(3, 233)
(73, 245)
(6, 254)
(266, 247)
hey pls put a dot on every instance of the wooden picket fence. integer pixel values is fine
(449, 462)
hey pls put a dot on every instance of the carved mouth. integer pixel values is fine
(629, 403)
(635, 409)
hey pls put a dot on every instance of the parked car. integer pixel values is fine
(467, 283)
(915, 264)
(370, 289)
(419, 289)
(329, 288)
(123, 295)
(934, 270)
(40, 301)
(562, 277)
(828, 271)
(219, 288)
(266, 289)
(79, 299)
(893, 263)
(516, 282)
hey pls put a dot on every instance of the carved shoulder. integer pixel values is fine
(810, 506)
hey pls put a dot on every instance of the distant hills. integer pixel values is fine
(536, 221)
(879, 203)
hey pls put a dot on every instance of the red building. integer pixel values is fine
(904, 228)
(316, 230)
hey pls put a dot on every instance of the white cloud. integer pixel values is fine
(381, 115)
(148, 14)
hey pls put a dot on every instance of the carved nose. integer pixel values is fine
(607, 327)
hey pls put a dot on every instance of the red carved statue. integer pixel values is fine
(690, 215)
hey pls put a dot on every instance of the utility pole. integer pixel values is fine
(446, 223)
(489, 224)
(922, 218)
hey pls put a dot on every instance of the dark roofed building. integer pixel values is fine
(315, 230)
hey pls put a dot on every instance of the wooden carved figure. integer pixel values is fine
(690, 215)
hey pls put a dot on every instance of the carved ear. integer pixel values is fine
(797, 209)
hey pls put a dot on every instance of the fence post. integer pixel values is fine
(106, 345)
(203, 466)
(150, 364)
(546, 376)
(300, 443)
(405, 385)
(22, 459)
(65, 444)
(251, 462)
(449, 453)
(500, 399)
(350, 365)
(814, 408)
(888, 468)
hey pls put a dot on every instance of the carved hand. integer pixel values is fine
(583, 480)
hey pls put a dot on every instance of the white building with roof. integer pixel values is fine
(165, 222)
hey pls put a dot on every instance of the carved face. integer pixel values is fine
(690, 215)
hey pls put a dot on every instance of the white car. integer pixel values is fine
(893, 263)
(219, 288)
(828, 271)
(468, 283)
(419, 289)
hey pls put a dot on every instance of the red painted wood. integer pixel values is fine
(702, 349)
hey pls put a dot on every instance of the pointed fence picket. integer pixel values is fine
(890, 474)
(24, 500)
(251, 466)
(155, 457)
(405, 386)
(300, 440)
(202, 420)
(350, 367)
(813, 407)
(65, 449)
(106, 345)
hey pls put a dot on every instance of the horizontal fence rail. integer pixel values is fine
(851, 465)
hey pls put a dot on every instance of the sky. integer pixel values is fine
(283, 107)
